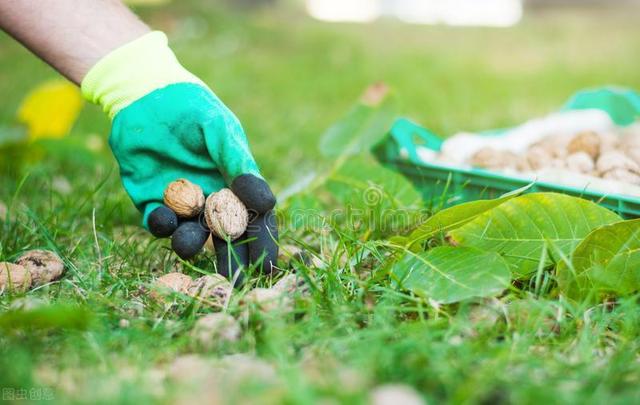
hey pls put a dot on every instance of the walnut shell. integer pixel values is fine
(587, 141)
(171, 282)
(44, 266)
(212, 287)
(555, 145)
(390, 394)
(609, 141)
(226, 215)
(615, 160)
(630, 140)
(184, 198)
(494, 159)
(216, 328)
(634, 154)
(265, 300)
(622, 175)
(537, 157)
(580, 162)
(14, 277)
(292, 284)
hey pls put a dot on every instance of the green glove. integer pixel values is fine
(166, 125)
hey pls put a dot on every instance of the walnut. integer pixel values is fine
(634, 154)
(554, 145)
(622, 175)
(184, 198)
(609, 141)
(292, 284)
(14, 277)
(536, 158)
(265, 300)
(615, 160)
(630, 139)
(171, 282)
(494, 159)
(215, 328)
(44, 266)
(580, 162)
(392, 394)
(226, 215)
(587, 141)
(212, 287)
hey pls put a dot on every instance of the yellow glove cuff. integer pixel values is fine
(133, 71)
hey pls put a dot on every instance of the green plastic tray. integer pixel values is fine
(444, 186)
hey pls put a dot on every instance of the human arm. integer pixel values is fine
(70, 35)
(166, 123)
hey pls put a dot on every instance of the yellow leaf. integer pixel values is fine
(51, 109)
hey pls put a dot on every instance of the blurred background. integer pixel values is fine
(291, 68)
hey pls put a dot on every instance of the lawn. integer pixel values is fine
(101, 338)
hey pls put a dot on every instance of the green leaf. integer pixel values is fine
(607, 260)
(519, 229)
(456, 216)
(59, 316)
(363, 126)
(450, 274)
(362, 181)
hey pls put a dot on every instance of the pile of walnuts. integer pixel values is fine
(33, 269)
(190, 219)
(613, 156)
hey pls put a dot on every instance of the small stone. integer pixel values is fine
(226, 215)
(213, 329)
(14, 277)
(184, 198)
(44, 266)
(124, 323)
(396, 394)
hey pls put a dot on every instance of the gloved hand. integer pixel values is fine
(166, 125)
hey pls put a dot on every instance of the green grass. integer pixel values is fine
(288, 78)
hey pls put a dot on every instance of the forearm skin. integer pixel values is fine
(70, 35)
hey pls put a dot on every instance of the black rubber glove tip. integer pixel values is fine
(263, 232)
(162, 222)
(188, 240)
(254, 193)
(231, 259)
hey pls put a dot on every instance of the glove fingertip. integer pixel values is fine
(254, 192)
(263, 245)
(231, 259)
(162, 222)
